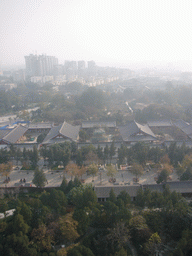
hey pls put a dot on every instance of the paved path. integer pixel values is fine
(54, 178)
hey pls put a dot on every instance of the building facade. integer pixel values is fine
(40, 65)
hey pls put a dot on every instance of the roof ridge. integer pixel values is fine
(62, 126)
(12, 130)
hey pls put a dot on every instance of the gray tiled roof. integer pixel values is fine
(52, 133)
(181, 124)
(187, 130)
(103, 191)
(184, 126)
(70, 131)
(3, 133)
(40, 126)
(178, 186)
(160, 123)
(91, 124)
(128, 132)
(65, 129)
(14, 135)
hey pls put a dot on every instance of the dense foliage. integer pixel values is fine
(70, 215)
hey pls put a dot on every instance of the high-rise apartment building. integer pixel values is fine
(70, 65)
(31, 65)
(81, 65)
(40, 65)
(70, 68)
(91, 65)
(91, 68)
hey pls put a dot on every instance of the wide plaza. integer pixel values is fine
(54, 178)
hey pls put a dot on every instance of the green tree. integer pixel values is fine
(34, 157)
(139, 232)
(153, 245)
(3, 207)
(119, 235)
(18, 155)
(125, 197)
(137, 170)
(112, 196)
(164, 174)
(83, 136)
(111, 171)
(112, 150)
(80, 250)
(63, 185)
(39, 178)
(100, 153)
(140, 198)
(187, 175)
(106, 154)
(121, 155)
(92, 169)
(25, 211)
(140, 150)
(50, 157)
(18, 245)
(83, 216)
(19, 225)
(56, 200)
(39, 212)
(121, 252)
(110, 215)
(184, 246)
(25, 156)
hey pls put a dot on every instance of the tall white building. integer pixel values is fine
(40, 65)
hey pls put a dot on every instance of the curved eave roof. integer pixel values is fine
(129, 132)
(66, 130)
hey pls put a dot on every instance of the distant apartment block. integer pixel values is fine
(91, 68)
(81, 65)
(70, 68)
(40, 65)
(91, 65)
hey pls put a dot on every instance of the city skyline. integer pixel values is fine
(114, 33)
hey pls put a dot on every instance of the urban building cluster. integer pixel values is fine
(41, 69)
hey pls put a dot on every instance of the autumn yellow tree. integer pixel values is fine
(5, 169)
(91, 158)
(166, 164)
(68, 228)
(153, 245)
(72, 169)
(42, 238)
(2, 169)
(82, 171)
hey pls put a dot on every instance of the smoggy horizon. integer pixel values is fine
(116, 33)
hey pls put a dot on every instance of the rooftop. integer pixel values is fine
(93, 124)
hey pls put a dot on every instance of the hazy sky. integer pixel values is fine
(102, 30)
